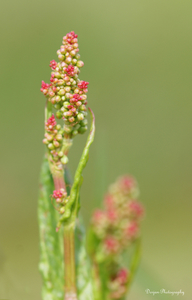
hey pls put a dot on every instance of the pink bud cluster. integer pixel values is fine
(66, 91)
(116, 227)
(53, 140)
(118, 224)
(61, 199)
(117, 283)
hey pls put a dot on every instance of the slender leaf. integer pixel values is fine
(51, 242)
(72, 205)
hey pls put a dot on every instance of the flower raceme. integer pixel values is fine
(116, 227)
(67, 94)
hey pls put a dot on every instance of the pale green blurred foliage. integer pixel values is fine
(137, 57)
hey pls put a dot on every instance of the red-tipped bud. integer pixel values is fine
(83, 85)
(53, 64)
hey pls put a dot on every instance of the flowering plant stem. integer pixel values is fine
(69, 262)
(64, 264)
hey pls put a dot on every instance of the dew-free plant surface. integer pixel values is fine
(74, 265)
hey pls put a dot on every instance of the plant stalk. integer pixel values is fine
(69, 245)
(69, 263)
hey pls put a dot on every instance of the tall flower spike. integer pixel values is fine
(66, 91)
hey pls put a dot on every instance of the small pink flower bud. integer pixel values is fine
(83, 84)
(111, 244)
(60, 82)
(67, 89)
(61, 57)
(49, 137)
(78, 103)
(56, 144)
(71, 119)
(57, 99)
(68, 60)
(53, 64)
(45, 141)
(73, 53)
(58, 200)
(75, 45)
(84, 97)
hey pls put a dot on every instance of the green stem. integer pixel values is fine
(69, 244)
(69, 263)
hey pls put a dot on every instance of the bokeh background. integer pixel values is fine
(137, 58)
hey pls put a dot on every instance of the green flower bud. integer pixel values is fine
(57, 106)
(59, 137)
(74, 61)
(75, 132)
(60, 154)
(49, 137)
(55, 158)
(84, 122)
(63, 109)
(63, 98)
(82, 129)
(59, 114)
(58, 126)
(77, 56)
(67, 129)
(62, 210)
(80, 116)
(71, 119)
(64, 160)
(80, 64)
(82, 107)
(61, 92)
(66, 103)
(50, 146)
(61, 57)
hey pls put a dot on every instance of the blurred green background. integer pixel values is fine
(137, 57)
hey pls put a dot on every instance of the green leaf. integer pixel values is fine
(73, 205)
(135, 260)
(51, 242)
